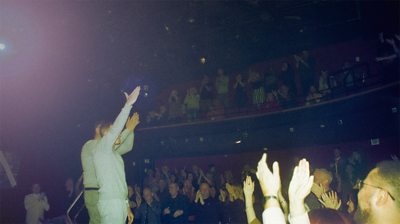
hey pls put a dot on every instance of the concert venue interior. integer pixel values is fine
(221, 84)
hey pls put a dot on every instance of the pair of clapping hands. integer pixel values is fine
(176, 214)
(270, 182)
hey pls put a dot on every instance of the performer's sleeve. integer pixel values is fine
(127, 138)
(116, 128)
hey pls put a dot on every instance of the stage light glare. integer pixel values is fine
(2, 46)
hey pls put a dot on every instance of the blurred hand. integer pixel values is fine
(331, 200)
(166, 211)
(130, 216)
(178, 213)
(301, 183)
(270, 182)
(397, 36)
(131, 99)
(132, 122)
(248, 187)
(199, 198)
(318, 190)
(138, 200)
(222, 195)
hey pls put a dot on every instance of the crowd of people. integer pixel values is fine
(336, 193)
(295, 83)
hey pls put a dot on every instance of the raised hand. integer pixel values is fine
(331, 200)
(318, 190)
(222, 195)
(132, 122)
(199, 197)
(270, 182)
(248, 187)
(131, 99)
(301, 183)
(299, 187)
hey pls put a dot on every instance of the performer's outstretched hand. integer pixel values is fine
(132, 122)
(130, 216)
(131, 99)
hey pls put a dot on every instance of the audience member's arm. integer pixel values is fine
(299, 188)
(270, 183)
(248, 189)
(284, 205)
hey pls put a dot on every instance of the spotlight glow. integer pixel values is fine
(2, 46)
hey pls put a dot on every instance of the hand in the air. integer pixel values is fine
(131, 99)
(270, 182)
(301, 183)
(132, 122)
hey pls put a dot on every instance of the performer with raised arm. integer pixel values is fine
(103, 166)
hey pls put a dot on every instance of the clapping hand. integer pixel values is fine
(178, 213)
(270, 182)
(131, 99)
(331, 200)
(222, 195)
(166, 211)
(301, 183)
(199, 197)
(248, 187)
(318, 190)
(299, 187)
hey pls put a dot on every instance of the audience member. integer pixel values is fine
(35, 205)
(175, 208)
(188, 190)
(192, 103)
(207, 210)
(206, 95)
(257, 85)
(322, 184)
(148, 212)
(174, 106)
(305, 66)
(287, 77)
(323, 84)
(222, 87)
(313, 96)
(284, 97)
(378, 198)
(69, 195)
(240, 91)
